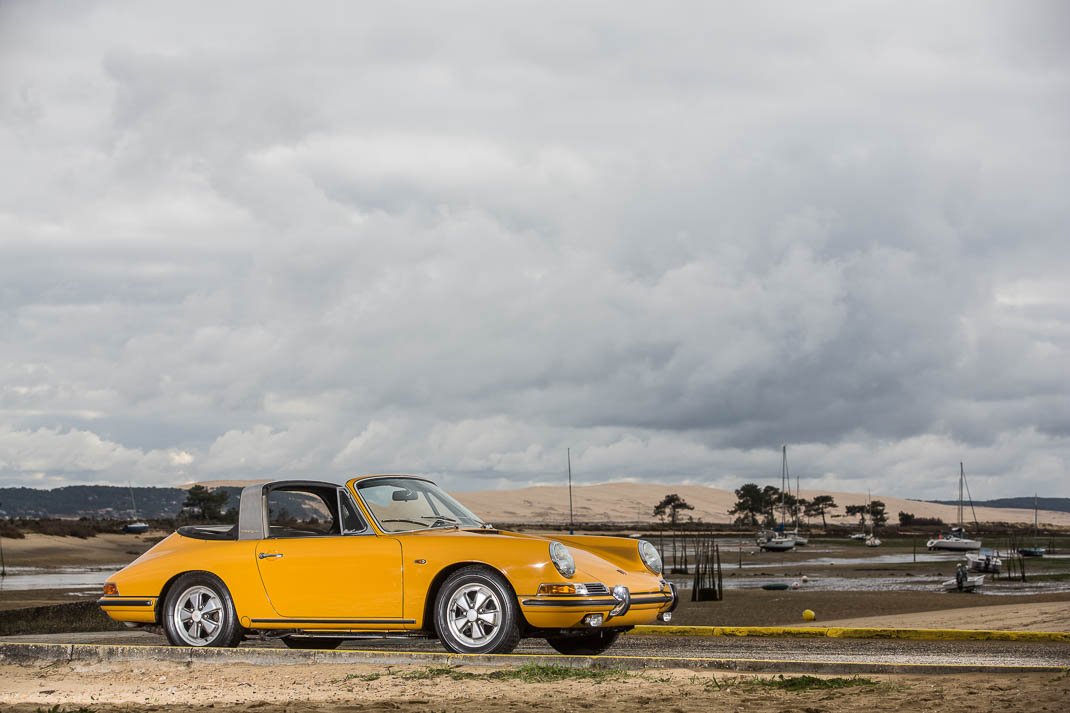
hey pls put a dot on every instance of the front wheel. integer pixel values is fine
(476, 613)
(198, 611)
(587, 644)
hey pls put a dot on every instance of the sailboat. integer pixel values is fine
(780, 541)
(137, 527)
(871, 539)
(1035, 550)
(958, 540)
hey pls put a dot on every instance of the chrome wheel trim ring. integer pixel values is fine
(198, 615)
(474, 614)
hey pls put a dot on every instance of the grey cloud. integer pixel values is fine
(460, 239)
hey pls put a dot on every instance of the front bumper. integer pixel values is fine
(569, 612)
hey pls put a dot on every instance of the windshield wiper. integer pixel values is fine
(448, 521)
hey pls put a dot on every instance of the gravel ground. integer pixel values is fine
(987, 653)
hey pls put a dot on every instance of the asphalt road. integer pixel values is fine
(858, 651)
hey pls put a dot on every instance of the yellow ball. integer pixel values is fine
(809, 615)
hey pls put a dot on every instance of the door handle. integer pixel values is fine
(265, 555)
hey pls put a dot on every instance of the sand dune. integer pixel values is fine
(634, 502)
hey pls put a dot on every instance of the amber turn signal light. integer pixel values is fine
(557, 589)
(110, 588)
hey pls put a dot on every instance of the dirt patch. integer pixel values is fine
(57, 619)
(28, 598)
(174, 687)
(761, 608)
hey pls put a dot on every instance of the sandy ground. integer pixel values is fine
(175, 687)
(1049, 616)
(37, 550)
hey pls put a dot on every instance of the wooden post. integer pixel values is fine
(720, 577)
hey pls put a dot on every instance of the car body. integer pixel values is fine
(316, 562)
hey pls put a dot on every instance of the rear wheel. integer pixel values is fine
(198, 611)
(321, 643)
(587, 644)
(476, 613)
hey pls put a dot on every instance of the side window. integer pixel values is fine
(351, 519)
(300, 513)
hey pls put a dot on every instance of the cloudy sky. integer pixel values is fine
(277, 239)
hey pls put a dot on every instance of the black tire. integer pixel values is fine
(496, 620)
(320, 643)
(586, 644)
(188, 619)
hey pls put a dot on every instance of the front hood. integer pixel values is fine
(608, 560)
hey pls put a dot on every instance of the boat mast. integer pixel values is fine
(1036, 528)
(798, 502)
(783, 484)
(962, 478)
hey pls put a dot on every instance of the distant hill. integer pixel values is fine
(1056, 504)
(107, 501)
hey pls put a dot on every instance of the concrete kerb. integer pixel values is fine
(835, 632)
(23, 653)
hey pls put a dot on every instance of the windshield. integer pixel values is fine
(401, 504)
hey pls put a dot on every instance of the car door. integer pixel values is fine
(317, 564)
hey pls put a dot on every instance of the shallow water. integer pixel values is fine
(73, 578)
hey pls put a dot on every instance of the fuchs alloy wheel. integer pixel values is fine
(476, 613)
(198, 611)
(586, 644)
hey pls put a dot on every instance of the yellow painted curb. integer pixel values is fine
(835, 632)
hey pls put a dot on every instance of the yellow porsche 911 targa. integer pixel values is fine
(316, 563)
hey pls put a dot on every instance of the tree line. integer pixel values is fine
(761, 507)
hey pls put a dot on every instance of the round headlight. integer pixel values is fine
(562, 559)
(650, 556)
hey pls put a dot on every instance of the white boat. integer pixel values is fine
(957, 540)
(984, 561)
(781, 543)
(870, 540)
(137, 527)
(963, 581)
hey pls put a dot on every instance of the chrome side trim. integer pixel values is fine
(122, 602)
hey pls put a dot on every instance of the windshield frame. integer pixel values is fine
(447, 499)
